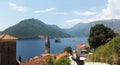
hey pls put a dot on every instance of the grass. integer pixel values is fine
(108, 53)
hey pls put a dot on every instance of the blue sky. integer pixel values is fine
(64, 13)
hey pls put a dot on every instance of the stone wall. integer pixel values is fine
(7, 52)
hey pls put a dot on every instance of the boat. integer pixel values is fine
(57, 40)
(73, 40)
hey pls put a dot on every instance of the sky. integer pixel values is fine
(64, 13)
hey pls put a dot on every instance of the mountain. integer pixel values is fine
(82, 29)
(32, 28)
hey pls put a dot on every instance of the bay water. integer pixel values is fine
(30, 48)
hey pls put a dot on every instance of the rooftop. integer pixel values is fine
(7, 37)
(38, 60)
(62, 55)
(82, 45)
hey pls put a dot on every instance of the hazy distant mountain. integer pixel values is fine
(32, 28)
(82, 29)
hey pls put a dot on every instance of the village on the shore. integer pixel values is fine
(8, 41)
(8, 53)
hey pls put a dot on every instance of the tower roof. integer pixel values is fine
(7, 37)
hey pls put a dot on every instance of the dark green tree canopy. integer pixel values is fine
(99, 35)
(68, 49)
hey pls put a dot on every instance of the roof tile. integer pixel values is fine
(7, 37)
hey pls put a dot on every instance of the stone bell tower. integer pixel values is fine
(7, 50)
(47, 45)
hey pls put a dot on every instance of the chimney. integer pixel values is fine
(47, 45)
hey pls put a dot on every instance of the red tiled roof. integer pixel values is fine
(48, 54)
(82, 45)
(39, 60)
(62, 55)
(7, 37)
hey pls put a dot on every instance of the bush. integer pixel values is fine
(49, 61)
(62, 61)
(68, 49)
(109, 52)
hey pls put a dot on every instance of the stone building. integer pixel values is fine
(82, 49)
(7, 50)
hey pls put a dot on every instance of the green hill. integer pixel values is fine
(32, 28)
(108, 53)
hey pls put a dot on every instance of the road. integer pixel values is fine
(95, 63)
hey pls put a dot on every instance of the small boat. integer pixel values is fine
(73, 40)
(57, 40)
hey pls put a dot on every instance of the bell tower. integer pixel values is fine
(47, 45)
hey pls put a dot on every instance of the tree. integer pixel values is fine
(99, 35)
(68, 49)
(63, 61)
(49, 61)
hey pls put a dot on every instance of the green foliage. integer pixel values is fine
(62, 61)
(68, 49)
(49, 61)
(31, 28)
(108, 53)
(99, 35)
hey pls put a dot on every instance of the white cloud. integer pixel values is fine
(62, 13)
(18, 8)
(87, 13)
(76, 21)
(112, 11)
(45, 10)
